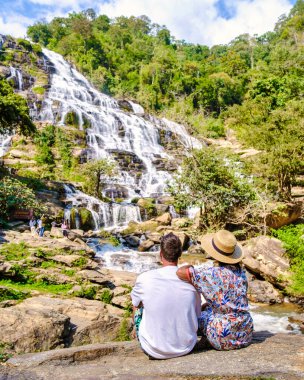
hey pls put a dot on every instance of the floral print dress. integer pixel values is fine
(226, 321)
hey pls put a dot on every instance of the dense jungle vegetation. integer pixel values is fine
(254, 85)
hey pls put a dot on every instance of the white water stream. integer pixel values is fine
(111, 131)
(107, 215)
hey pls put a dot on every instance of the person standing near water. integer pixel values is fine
(32, 225)
(41, 226)
(64, 228)
(166, 309)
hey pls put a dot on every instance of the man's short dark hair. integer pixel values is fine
(171, 247)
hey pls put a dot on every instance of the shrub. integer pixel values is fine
(292, 237)
(106, 296)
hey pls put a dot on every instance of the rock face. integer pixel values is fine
(264, 256)
(44, 323)
(277, 357)
(284, 214)
(262, 291)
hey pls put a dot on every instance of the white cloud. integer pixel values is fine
(14, 25)
(198, 21)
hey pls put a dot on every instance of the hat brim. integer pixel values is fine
(236, 257)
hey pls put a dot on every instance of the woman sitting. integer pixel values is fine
(226, 322)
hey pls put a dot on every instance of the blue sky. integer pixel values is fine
(199, 21)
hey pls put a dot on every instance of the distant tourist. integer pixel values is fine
(226, 322)
(32, 225)
(166, 309)
(41, 226)
(64, 228)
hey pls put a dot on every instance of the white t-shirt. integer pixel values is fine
(171, 308)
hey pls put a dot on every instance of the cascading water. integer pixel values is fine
(5, 142)
(112, 132)
(137, 108)
(104, 214)
(16, 74)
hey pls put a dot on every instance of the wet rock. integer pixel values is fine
(299, 320)
(145, 245)
(132, 241)
(262, 291)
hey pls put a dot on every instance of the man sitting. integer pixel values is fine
(167, 326)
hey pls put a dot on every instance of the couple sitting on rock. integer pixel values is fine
(167, 303)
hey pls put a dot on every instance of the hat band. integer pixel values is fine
(220, 251)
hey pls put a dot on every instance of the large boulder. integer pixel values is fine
(262, 291)
(265, 257)
(165, 219)
(145, 245)
(283, 214)
(56, 232)
(44, 323)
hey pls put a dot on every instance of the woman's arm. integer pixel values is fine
(183, 273)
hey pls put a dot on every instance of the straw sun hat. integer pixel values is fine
(222, 246)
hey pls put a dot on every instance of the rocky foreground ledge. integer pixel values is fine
(279, 356)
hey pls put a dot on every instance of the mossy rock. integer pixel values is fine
(148, 204)
(71, 118)
(12, 294)
(139, 228)
(86, 219)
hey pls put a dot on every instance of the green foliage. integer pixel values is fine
(292, 237)
(71, 119)
(15, 194)
(82, 261)
(95, 171)
(280, 137)
(14, 251)
(11, 294)
(208, 182)
(106, 296)
(49, 264)
(4, 355)
(14, 111)
(68, 272)
(65, 149)
(124, 331)
(25, 44)
(88, 292)
(38, 90)
(114, 241)
(40, 286)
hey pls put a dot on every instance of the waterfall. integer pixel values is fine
(130, 139)
(137, 108)
(16, 74)
(104, 215)
(5, 142)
